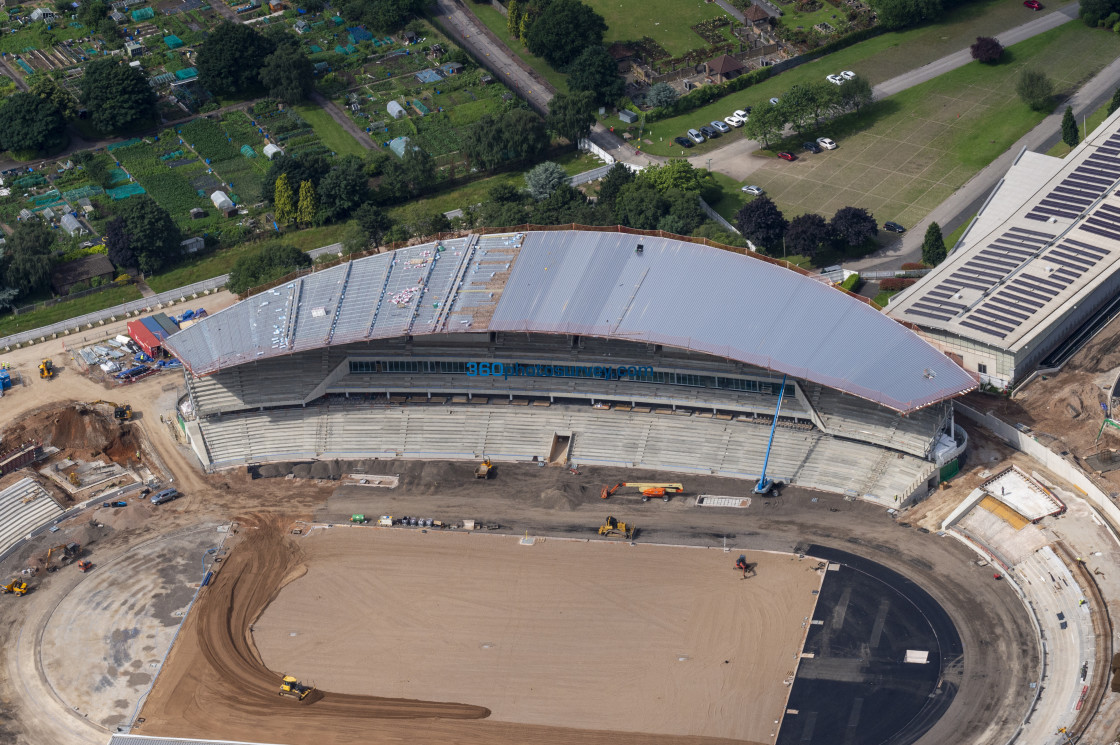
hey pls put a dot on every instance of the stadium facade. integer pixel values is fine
(575, 346)
(1037, 270)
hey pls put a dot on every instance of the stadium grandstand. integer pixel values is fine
(575, 347)
(1036, 273)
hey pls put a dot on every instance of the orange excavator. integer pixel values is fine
(647, 490)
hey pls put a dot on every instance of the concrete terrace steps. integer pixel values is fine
(19, 517)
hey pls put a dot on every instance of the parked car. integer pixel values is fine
(893, 227)
(753, 190)
(165, 496)
(695, 136)
(835, 79)
(847, 74)
(1033, 4)
(708, 132)
(787, 156)
(826, 143)
(118, 503)
(683, 141)
(812, 147)
(743, 114)
(720, 126)
(734, 121)
(774, 101)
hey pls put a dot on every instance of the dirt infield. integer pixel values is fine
(532, 640)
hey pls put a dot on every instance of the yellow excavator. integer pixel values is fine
(46, 369)
(647, 489)
(289, 686)
(613, 527)
(69, 553)
(16, 587)
(121, 412)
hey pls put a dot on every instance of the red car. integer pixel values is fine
(787, 156)
(1033, 4)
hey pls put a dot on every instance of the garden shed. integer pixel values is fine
(271, 150)
(396, 110)
(452, 68)
(302, 27)
(84, 269)
(221, 200)
(133, 49)
(191, 245)
(628, 116)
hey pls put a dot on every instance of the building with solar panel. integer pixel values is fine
(1036, 273)
(575, 347)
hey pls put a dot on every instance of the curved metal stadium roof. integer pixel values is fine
(591, 283)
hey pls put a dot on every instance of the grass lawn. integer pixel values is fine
(330, 132)
(668, 22)
(10, 324)
(793, 18)
(877, 59)
(1093, 121)
(952, 238)
(901, 157)
(884, 297)
(496, 22)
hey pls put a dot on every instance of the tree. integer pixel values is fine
(807, 234)
(685, 209)
(91, 13)
(308, 204)
(933, 247)
(765, 123)
(152, 235)
(1092, 11)
(229, 61)
(1070, 134)
(483, 143)
(523, 135)
(44, 86)
(342, 189)
(419, 170)
(596, 71)
(545, 179)
(513, 19)
(354, 238)
(119, 248)
(617, 177)
(27, 257)
(30, 123)
(563, 30)
(852, 226)
(800, 103)
(571, 116)
(987, 49)
(677, 174)
(761, 222)
(288, 74)
(384, 15)
(895, 14)
(1035, 89)
(307, 167)
(265, 265)
(283, 201)
(1115, 103)
(639, 205)
(373, 221)
(117, 96)
(855, 94)
(661, 94)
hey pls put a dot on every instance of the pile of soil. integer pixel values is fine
(78, 431)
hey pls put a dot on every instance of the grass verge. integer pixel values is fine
(11, 324)
(496, 22)
(329, 131)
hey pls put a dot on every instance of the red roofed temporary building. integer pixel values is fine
(150, 332)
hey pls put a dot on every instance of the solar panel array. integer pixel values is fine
(1084, 185)
(980, 272)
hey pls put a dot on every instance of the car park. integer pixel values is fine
(695, 136)
(787, 156)
(720, 126)
(754, 190)
(683, 141)
(774, 101)
(847, 74)
(708, 132)
(836, 79)
(743, 114)
(826, 143)
(734, 121)
(812, 147)
(893, 227)
(1033, 4)
(165, 496)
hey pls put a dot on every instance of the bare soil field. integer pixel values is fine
(392, 627)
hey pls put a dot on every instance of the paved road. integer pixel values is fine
(967, 200)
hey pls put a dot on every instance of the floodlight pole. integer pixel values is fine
(764, 483)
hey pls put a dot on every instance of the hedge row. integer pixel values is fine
(895, 283)
(706, 94)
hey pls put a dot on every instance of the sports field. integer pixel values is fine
(498, 641)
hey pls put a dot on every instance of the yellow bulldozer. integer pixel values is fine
(289, 686)
(46, 369)
(15, 587)
(612, 527)
(483, 470)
